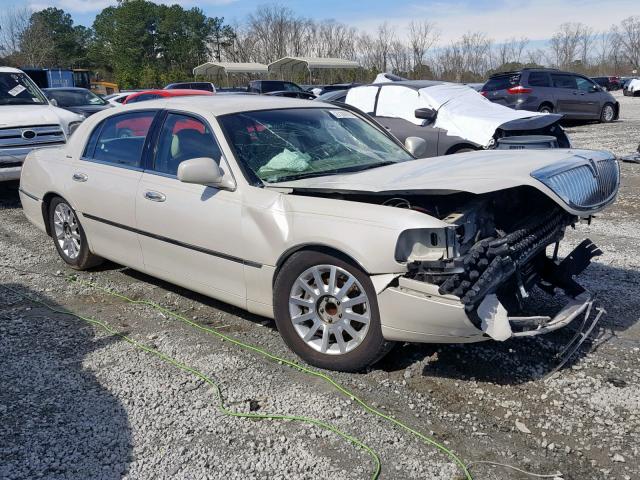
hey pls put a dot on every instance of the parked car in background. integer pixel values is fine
(310, 214)
(454, 118)
(77, 100)
(117, 99)
(207, 86)
(28, 121)
(574, 96)
(279, 88)
(333, 96)
(145, 95)
(608, 83)
(631, 87)
(476, 86)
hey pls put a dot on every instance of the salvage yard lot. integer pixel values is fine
(79, 403)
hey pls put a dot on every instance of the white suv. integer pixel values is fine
(27, 121)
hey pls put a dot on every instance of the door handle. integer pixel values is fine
(80, 177)
(155, 196)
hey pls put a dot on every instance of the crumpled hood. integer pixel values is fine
(34, 115)
(472, 172)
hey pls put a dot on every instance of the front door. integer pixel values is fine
(566, 94)
(589, 97)
(104, 182)
(190, 234)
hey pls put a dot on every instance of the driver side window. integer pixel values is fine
(584, 85)
(182, 138)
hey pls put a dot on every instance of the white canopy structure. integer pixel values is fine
(297, 64)
(214, 69)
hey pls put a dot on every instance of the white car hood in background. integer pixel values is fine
(33, 115)
(634, 85)
(464, 112)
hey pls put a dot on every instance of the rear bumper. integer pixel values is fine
(32, 208)
(415, 312)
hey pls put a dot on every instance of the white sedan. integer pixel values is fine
(310, 214)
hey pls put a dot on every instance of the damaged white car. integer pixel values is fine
(312, 215)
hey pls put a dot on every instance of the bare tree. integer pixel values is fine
(36, 45)
(400, 58)
(13, 22)
(422, 36)
(567, 44)
(510, 51)
(385, 37)
(628, 40)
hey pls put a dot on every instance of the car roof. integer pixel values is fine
(176, 92)
(414, 84)
(226, 104)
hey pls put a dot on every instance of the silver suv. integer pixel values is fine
(548, 90)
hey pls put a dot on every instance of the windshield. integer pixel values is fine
(74, 98)
(289, 144)
(19, 89)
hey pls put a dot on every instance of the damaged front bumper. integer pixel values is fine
(414, 311)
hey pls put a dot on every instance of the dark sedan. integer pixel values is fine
(77, 100)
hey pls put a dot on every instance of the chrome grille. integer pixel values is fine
(585, 184)
(35, 136)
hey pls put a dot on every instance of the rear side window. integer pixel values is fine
(501, 83)
(119, 140)
(272, 87)
(563, 81)
(201, 86)
(539, 79)
(183, 138)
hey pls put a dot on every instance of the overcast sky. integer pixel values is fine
(500, 19)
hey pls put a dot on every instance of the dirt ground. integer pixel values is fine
(77, 402)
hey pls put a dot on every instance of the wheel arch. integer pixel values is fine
(459, 146)
(547, 103)
(315, 247)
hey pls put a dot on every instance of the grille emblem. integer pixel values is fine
(28, 134)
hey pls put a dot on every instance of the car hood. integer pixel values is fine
(88, 110)
(472, 172)
(34, 115)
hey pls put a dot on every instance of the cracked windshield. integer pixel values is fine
(299, 143)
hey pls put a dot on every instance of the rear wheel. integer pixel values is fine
(545, 108)
(69, 237)
(327, 313)
(608, 113)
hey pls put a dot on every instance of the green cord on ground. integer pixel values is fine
(262, 416)
(290, 363)
(266, 354)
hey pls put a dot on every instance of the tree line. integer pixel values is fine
(139, 43)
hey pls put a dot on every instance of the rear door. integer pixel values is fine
(566, 94)
(104, 183)
(190, 234)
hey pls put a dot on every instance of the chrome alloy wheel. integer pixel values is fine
(609, 113)
(67, 230)
(329, 309)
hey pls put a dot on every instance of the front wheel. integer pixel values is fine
(608, 113)
(327, 312)
(69, 237)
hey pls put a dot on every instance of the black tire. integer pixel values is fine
(372, 347)
(608, 113)
(84, 258)
(545, 108)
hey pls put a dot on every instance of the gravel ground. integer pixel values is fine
(79, 403)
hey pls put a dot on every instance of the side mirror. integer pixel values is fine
(53, 102)
(204, 171)
(416, 145)
(426, 114)
(595, 88)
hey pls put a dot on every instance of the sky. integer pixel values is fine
(500, 19)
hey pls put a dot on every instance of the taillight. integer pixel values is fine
(518, 89)
(484, 93)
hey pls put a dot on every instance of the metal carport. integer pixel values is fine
(293, 65)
